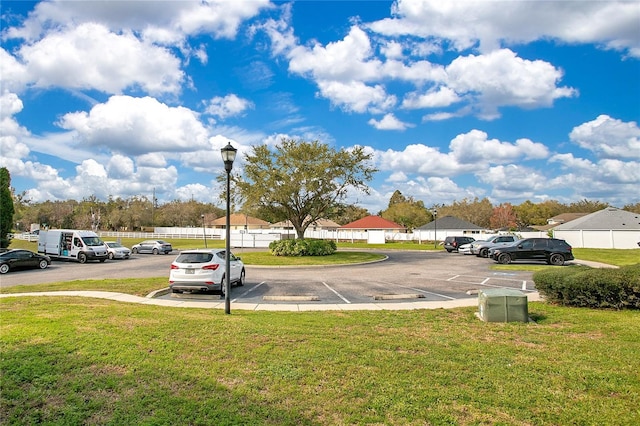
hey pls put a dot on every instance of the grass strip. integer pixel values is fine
(86, 361)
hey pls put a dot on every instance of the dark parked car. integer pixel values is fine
(551, 250)
(22, 259)
(454, 243)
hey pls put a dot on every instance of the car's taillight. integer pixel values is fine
(212, 267)
(174, 266)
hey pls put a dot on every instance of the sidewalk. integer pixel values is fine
(592, 264)
(295, 307)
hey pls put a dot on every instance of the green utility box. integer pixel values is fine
(503, 305)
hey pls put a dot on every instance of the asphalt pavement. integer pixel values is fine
(405, 280)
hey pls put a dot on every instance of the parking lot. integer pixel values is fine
(406, 276)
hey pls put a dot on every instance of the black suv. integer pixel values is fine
(453, 243)
(551, 250)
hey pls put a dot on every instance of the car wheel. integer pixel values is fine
(82, 258)
(449, 250)
(484, 252)
(504, 258)
(4, 268)
(110, 256)
(134, 250)
(241, 280)
(43, 264)
(556, 259)
(155, 251)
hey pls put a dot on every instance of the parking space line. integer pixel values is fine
(431, 293)
(248, 291)
(524, 284)
(453, 278)
(336, 293)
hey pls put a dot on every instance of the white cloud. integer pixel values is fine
(120, 167)
(355, 96)
(10, 104)
(608, 137)
(614, 25)
(196, 191)
(441, 97)
(503, 79)
(471, 152)
(392, 50)
(227, 106)
(163, 21)
(351, 58)
(91, 57)
(513, 179)
(134, 126)
(389, 122)
(475, 147)
(13, 74)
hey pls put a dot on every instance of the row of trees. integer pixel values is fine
(413, 213)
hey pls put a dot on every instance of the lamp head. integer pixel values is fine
(228, 156)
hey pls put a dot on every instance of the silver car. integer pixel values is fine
(204, 270)
(116, 250)
(153, 247)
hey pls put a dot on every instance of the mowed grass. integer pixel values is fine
(88, 361)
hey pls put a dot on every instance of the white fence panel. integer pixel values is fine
(600, 238)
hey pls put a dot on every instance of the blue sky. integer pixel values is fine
(509, 100)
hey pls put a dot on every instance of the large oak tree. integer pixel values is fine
(302, 181)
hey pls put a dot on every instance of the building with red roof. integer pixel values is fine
(373, 223)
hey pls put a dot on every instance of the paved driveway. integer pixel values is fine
(406, 276)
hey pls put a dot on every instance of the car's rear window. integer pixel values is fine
(194, 258)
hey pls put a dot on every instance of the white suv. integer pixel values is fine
(204, 270)
(481, 248)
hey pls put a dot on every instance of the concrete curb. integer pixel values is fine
(294, 307)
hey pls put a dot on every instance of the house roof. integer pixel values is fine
(565, 217)
(608, 218)
(322, 223)
(372, 222)
(237, 219)
(449, 222)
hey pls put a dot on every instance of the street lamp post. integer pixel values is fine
(228, 157)
(435, 229)
(204, 231)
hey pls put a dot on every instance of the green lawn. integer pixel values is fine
(71, 361)
(91, 361)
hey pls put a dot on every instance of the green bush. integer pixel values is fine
(593, 288)
(306, 247)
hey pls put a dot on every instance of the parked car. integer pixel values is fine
(481, 248)
(152, 246)
(116, 250)
(204, 270)
(22, 259)
(465, 248)
(454, 243)
(552, 250)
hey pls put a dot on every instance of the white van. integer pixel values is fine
(72, 244)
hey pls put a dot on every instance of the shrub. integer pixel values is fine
(306, 247)
(593, 288)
